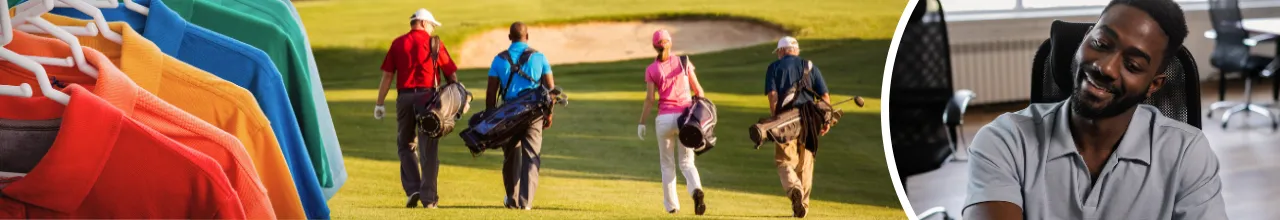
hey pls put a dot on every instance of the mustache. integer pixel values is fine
(1103, 81)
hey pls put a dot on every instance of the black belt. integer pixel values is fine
(415, 90)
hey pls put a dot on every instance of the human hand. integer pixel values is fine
(547, 123)
(379, 111)
(640, 131)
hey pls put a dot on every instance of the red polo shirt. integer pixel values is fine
(409, 58)
(105, 165)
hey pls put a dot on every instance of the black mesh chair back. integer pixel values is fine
(1230, 54)
(1052, 78)
(920, 88)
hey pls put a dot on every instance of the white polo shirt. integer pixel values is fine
(1162, 169)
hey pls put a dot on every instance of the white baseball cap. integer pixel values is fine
(423, 15)
(786, 42)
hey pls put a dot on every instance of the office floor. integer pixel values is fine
(1248, 151)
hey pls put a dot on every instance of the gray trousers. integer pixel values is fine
(520, 163)
(426, 159)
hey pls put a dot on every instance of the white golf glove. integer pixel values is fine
(640, 131)
(379, 111)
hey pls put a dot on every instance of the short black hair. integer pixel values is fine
(519, 32)
(1167, 14)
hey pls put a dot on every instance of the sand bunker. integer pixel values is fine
(614, 41)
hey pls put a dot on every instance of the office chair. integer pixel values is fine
(1231, 54)
(1052, 79)
(926, 112)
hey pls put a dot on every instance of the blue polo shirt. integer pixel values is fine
(239, 63)
(784, 73)
(536, 68)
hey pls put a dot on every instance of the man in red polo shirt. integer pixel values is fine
(415, 66)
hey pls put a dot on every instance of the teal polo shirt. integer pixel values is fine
(1161, 169)
(333, 152)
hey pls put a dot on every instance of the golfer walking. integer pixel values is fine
(414, 65)
(794, 158)
(674, 80)
(516, 70)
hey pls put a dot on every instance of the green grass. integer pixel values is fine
(593, 165)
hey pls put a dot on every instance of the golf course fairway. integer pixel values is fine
(593, 165)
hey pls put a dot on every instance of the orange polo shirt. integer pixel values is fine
(120, 91)
(102, 164)
(206, 96)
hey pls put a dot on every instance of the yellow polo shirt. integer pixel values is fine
(208, 97)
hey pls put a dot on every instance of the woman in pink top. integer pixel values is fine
(673, 81)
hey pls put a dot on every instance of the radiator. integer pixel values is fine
(998, 70)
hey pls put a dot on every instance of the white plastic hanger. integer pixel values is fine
(42, 78)
(51, 61)
(32, 16)
(135, 7)
(45, 6)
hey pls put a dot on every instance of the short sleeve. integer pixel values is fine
(819, 84)
(1199, 193)
(768, 78)
(993, 165)
(497, 67)
(546, 65)
(445, 61)
(389, 62)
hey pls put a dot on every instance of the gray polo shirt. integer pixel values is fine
(1162, 169)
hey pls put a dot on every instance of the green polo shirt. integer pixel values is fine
(288, 54)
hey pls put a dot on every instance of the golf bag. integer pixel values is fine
(437, 117)
(788, 123)
(786, 126)
(698, 122)
(445, 104)
(495, 128)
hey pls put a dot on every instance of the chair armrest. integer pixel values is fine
(1251, 41)
(954, 113)
(1261, 38)
(932, 212)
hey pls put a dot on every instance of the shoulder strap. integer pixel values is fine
(803, 84)
(434, 56)
(688, 72)
(516, 67)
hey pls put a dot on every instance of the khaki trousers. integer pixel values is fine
(795, 169)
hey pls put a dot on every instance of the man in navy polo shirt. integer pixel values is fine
(794, 158)
(410, 63)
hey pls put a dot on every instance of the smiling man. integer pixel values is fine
(1100, 154)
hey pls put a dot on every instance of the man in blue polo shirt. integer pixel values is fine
(520, 160)
(794, 158)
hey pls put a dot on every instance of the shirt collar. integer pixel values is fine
(164, 27)
(136, 56)
(117, 89)
(517, 47)
(67, 173)
(1135, 145)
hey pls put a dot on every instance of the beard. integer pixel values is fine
(1083, 103)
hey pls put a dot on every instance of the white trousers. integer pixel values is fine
(668, 144)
